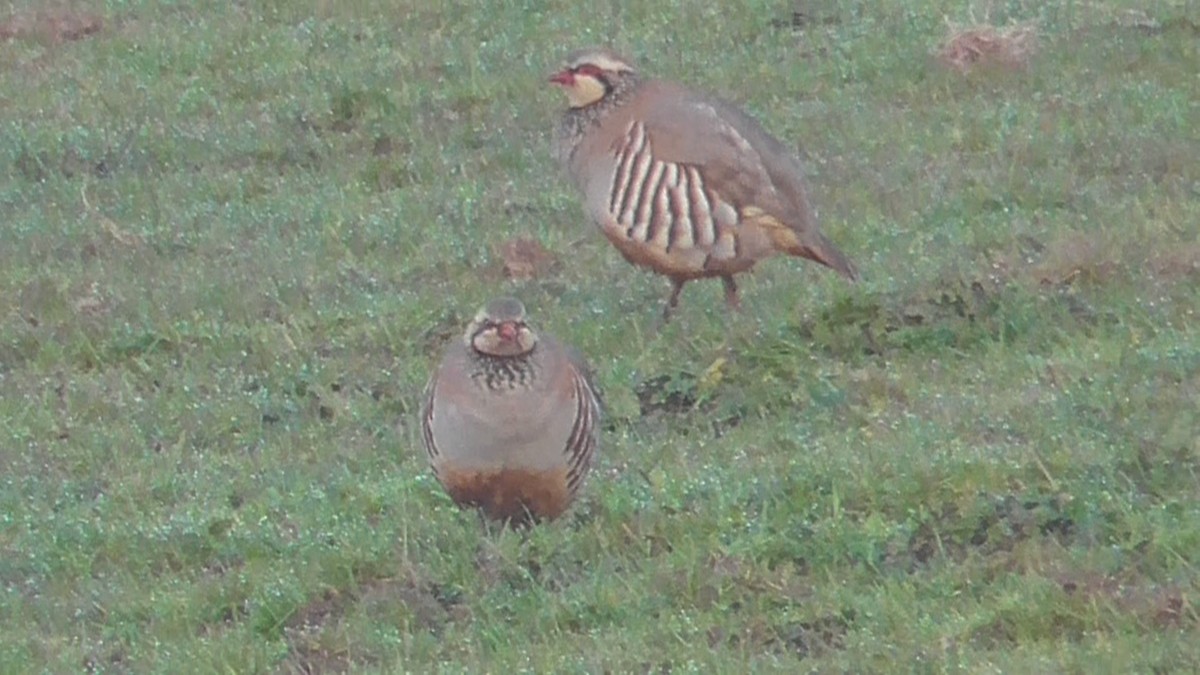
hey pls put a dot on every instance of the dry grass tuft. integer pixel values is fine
(524, 258)
(984, 45)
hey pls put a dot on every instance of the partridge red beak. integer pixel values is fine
(564, 78)
(507, 330)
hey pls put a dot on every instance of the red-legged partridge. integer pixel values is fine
(683, 183)
(510, 418)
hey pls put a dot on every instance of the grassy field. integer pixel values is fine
(235, 236)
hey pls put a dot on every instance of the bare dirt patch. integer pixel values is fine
(1161, 606)
(817, 637)
(314, 648)
(995, 525)
(52, 26)
(1181, 262)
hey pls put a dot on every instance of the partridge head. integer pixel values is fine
(683, 183)
(511, 418)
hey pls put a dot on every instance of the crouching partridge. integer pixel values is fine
(685, 184)
(510, 418)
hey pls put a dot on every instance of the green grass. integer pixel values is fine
(235, 236)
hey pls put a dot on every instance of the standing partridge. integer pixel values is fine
(510, 418)
(685, 184)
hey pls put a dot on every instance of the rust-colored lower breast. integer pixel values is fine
(515, 495)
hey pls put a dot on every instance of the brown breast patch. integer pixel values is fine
(516, 495)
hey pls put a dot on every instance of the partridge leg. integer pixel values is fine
(742, 330)
(673, 300)
(731, 294)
